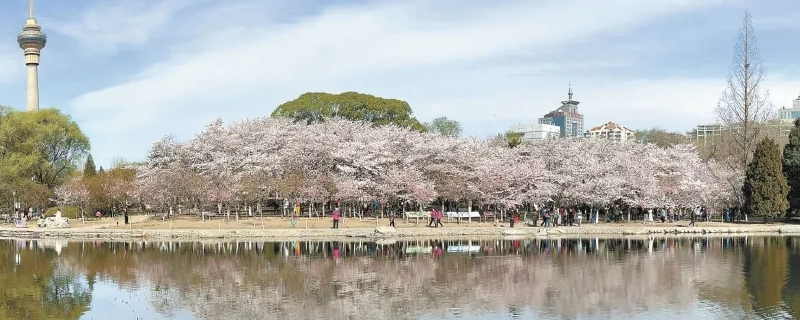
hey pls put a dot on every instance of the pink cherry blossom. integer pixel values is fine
(357, 163)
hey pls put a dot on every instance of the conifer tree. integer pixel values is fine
(89, 168)
(765, 186)
(791, 167)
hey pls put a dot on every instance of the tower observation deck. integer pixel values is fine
(32, 40)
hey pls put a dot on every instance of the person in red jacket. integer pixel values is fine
(336, 218)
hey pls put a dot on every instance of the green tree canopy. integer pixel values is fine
(89, 170)
(44, 146)
(660, 137)
(510, 138)
(444, 126)
(765, 187)
(791, 167)
(317, 106)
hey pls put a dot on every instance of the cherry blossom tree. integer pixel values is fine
(355, 163)
(73, 193)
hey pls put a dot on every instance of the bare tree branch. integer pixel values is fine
(744, 109)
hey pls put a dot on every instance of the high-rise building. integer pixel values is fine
(32, 40)
(566, 117)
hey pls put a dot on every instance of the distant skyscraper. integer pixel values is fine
(32, 40)
(566, 117)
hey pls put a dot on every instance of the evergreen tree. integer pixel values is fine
(791, 167)
(89, 169)
(765, 186)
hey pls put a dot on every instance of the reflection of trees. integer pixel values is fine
(246, 280)
(792, 290)
(768, 268)
(64, 294)
(251, 283)
(33, 290)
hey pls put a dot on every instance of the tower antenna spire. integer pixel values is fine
(569, 93)
(30, 9)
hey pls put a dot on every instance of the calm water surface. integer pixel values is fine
(658, 278)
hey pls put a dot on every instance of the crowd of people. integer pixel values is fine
(577, 215)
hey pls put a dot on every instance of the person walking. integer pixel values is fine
(546, 218)
(336, 218)
(559, 215)
(391, 218)
(511, 219)
(579, 216)
(438, 223)
(542, 213)
(693, 217)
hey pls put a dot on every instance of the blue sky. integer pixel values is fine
(130, 72)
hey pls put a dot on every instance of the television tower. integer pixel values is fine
(32, 40)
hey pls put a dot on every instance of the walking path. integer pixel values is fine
(163, 231)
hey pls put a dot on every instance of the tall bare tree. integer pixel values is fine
(744, 109)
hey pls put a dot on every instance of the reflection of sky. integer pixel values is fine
(695, 312)
(109, 301)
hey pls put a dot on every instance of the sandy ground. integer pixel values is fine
(286, 223)
(193, 223)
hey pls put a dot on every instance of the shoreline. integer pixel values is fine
(593, 231)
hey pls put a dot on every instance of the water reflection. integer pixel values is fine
(531, 278)
(34, 286)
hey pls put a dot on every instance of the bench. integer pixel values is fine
(417, 214)
(460, 215)
(208, 215)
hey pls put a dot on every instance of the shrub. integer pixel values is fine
(66, 212)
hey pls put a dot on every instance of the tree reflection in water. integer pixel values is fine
(34, 287)
(565, 278)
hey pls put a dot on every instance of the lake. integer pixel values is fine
(644, 278)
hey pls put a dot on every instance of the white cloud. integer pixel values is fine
(107, 26)
(246, 68)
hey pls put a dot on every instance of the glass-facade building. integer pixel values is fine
(787, 114)
(566, 118)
